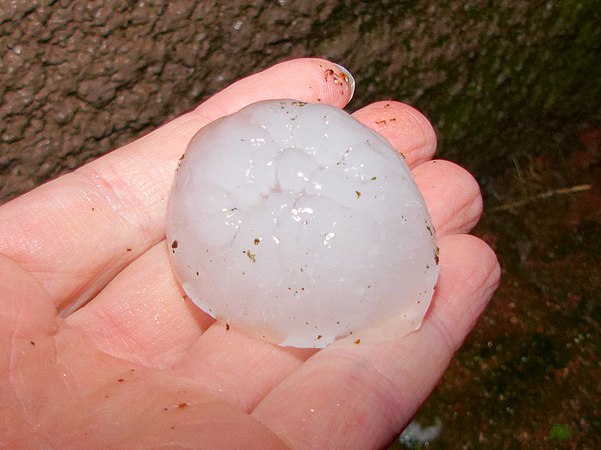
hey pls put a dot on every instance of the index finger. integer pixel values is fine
(78, 231)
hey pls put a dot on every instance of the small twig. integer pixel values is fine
(592, 322)
(543, 195)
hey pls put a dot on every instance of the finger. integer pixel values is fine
(452, 196)
(77, 232)
(408, 130)
(309, 79)
(381, 385)
(143, 316)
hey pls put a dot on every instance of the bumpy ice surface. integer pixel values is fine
(297, 224)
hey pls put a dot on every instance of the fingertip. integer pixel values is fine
(407, 129)
(328, 82)
(470, 251)
(348, 78)
(452, 196)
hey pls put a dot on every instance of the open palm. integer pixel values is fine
(138, 365)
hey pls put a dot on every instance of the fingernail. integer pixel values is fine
(349, 79)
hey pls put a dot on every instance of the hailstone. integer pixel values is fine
(297, 224)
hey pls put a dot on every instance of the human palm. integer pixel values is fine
(130, 362)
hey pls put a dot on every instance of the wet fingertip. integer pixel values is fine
(348, 78)
(407, 129)
(336, 84)
(452, 195)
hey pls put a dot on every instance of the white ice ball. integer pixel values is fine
(299, 225)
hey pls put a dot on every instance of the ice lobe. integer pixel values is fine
(299, 225)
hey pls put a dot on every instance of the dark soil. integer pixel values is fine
(513, 90)
(528, 377)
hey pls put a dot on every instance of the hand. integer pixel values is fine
(139, 365)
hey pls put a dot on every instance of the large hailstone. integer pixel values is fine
(297, 224)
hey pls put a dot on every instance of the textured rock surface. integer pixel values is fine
(78, 79)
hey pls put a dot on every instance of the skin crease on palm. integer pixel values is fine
(140, 366)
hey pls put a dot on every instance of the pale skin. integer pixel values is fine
(140, 366)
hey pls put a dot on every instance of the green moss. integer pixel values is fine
(560, 432)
